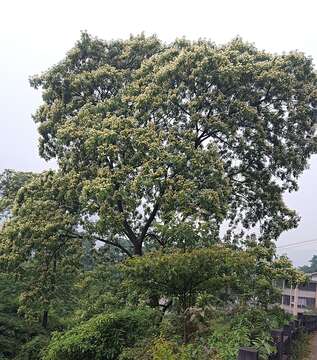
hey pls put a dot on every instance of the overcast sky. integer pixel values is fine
(35, 34)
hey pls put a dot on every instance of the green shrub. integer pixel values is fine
(33, 349)
(102, 337)
(15, 331)
(248, 326)
(301, 347)
(258, 319)
(163, 349)
(226, 341)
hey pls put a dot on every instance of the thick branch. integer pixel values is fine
(154, 211)
(149, 220)
(119, 246)
(105, 241)
(182, 108)
(155, 237)
(127, 229)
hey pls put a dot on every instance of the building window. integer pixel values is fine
(304, 302)
(308, 287)
(286, 300)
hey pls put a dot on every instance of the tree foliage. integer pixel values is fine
(268, 268)
(33, 243)
(102, 337)
(256, 108)
(15, 331)
(312, 267)
(183, 275)
(245, 277)
(170, 141)
(11, 182)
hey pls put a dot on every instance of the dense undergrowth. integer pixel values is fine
(114, 317)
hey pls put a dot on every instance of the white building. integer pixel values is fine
(301, 298)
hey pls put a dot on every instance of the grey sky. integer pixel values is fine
(35, 34)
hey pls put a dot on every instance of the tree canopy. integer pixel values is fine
(312, 267)
(168, 141)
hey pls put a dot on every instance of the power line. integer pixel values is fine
(297, 244)
(302, 243)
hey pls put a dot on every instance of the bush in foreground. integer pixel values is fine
(102, 337)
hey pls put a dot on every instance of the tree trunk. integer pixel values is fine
(45, 319)
(138, 249)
